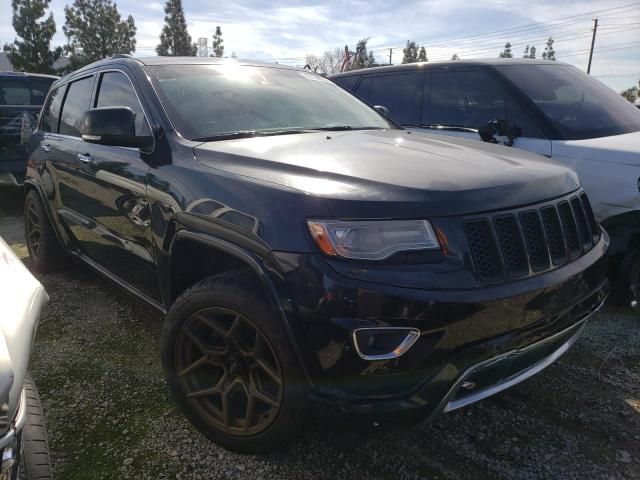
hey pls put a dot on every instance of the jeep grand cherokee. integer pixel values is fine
(305, 248)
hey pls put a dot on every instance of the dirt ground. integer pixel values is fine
(96, 363)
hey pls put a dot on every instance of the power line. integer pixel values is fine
(537, 26)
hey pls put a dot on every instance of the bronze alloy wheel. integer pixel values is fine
(228, 371)
(33, 229)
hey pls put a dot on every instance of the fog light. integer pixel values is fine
(384, 343)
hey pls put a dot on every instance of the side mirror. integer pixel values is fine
(382, 110)
(113, 126)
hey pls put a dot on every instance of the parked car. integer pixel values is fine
(23, 435)
(21, 98)
(303, 247)
(546, 107)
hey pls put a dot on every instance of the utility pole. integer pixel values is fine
(390, 54)
(593, 41)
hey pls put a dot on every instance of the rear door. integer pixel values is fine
(468, 98)
(69, 180)
(118, 235)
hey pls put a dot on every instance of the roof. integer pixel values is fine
(153, 61)
(457, 63)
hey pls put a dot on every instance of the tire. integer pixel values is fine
(35, 463)
(45, 251)
(213, 323)
(629, 274)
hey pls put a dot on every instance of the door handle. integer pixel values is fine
(84, 157)
(46, 147)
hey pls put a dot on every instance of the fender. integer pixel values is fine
(624, 231)
(257, 266)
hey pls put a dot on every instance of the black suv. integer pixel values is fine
(304, 248)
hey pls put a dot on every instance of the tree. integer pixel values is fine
(95, 30)
(422, 55)
(532, 52)
(175, 40)
(31, 52)
(218, 48)
(328, 63)
(549, 53)
(632, 94)
(371, 60)
(506, 53)
(362, 58)
(410, 53)
(526, 52)
(455, 57)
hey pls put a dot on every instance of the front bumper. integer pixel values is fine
(464, 333)
(10, 442)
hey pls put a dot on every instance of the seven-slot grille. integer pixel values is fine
(532, 240)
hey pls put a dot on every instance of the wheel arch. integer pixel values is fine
(228, 257)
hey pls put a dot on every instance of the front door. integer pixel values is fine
(119, 237)
(469, 97)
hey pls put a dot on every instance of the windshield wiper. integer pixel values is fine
(249, 134)
(451, 128)
(337, 128)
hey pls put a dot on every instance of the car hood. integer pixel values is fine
(394, 167)
(617, 149)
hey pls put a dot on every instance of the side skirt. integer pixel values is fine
(106, 273)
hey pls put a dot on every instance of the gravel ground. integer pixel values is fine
(96, 363)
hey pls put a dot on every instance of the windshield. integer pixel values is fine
(577, 105)
(24, 90)
(216, 101)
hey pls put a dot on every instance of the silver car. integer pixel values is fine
(23, 436)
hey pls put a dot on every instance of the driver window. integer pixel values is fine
(116, 91)
(471, 98)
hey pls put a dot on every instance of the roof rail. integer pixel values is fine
(121, 55)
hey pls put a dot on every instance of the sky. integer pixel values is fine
(286, 30)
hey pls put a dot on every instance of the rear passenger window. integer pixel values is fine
(51, 111)
(470, 99)
(347, 82)
(401, 94)
(76, 103)
(116, 91)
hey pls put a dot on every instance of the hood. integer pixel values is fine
(616, 149)
(446, 176)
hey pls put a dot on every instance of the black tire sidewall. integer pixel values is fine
(50, 255)
(237, 294)
(35, 461)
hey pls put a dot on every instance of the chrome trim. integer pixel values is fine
(450, 405)
(412, 337)
(18, 423)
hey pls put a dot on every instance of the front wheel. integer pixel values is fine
(230, 366)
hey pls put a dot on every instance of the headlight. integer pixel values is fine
(372, 239)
